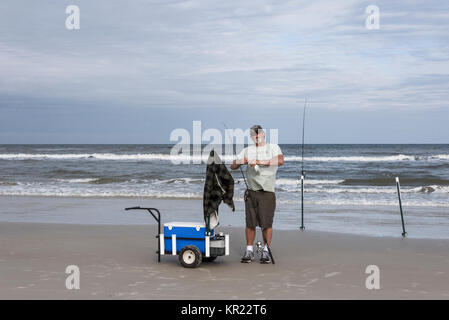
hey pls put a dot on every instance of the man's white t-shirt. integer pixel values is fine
(265, 177)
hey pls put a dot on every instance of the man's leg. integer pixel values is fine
(266, 256)
(267, 215)
(267, 235)
(249, 252)
(250, 236)
(250, 231)
(250, 218)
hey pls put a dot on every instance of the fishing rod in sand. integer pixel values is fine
(303, 173)
(247, 194)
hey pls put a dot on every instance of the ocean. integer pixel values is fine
(346, 185)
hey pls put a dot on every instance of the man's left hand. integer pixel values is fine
(253, 163)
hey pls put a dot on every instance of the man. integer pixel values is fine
(260, 200)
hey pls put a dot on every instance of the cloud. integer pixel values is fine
(201, 53)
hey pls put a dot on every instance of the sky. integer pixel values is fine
(137, 70)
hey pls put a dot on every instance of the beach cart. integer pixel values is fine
(193, 242)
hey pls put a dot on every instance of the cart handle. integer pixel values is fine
(158, 219)
(150, 210)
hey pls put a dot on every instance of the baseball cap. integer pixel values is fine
(254, 130)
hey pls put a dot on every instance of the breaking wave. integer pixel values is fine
(185, 158)
(389, 181)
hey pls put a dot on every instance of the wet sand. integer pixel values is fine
(119, 262)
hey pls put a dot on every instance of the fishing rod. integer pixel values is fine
(303, 130)
(303, 173)
(247, 194)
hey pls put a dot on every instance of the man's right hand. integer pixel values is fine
(239, 162)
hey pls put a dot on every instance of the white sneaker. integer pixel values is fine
(248, 256)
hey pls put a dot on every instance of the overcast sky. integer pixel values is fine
(136, 70)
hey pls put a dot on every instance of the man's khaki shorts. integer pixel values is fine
(259, 208)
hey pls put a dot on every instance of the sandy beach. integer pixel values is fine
(119, 262)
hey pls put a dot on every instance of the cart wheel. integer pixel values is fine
(190, 257)
(209, 259)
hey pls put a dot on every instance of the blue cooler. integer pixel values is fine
(181, 234)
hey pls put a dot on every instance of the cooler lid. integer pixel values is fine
(196, 225)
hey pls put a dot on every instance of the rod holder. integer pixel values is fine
(302, 228)
(398, 186)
